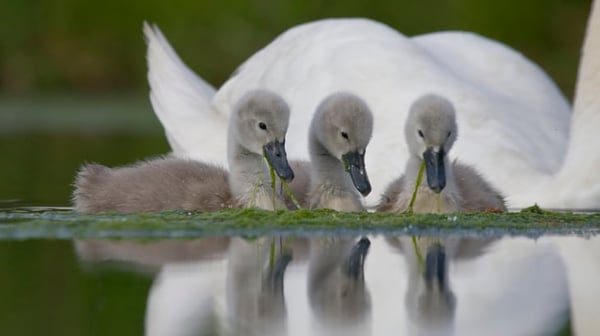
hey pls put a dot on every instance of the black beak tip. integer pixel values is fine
(287, 176)
(365, 190)
(437, 189)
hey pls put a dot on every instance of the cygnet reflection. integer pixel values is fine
(452, 286)
(255, 276)
(338, 295)
(430, 302)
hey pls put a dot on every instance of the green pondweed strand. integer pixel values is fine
(417, 184)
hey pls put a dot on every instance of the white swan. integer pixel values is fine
(444, 186)
(256, 131)
(511, 111)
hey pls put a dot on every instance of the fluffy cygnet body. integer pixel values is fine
(430, 132)
(257, 131)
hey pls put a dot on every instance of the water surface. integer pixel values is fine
(322, 285)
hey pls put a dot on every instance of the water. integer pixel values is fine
(235, 286)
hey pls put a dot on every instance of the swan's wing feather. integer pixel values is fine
(183, 103)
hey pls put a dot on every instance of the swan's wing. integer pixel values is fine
(182, 102)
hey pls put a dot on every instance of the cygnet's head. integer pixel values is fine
(259, 122)
(343, 124)
(430, 131)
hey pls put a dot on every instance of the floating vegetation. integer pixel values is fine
(253, 222)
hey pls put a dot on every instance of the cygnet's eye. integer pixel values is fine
(421, 134)
(344, 135)
(449, 133)
(262, 125)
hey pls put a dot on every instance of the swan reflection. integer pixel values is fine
(350, 285)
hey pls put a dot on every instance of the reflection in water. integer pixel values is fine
(338, 296)
(255, 297)
(325, 286)
(430, 303)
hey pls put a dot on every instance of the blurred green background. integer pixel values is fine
(72, 73)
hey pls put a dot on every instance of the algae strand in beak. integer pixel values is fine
(272, 173)
(285, 186)
(288, 191)
(417, 184)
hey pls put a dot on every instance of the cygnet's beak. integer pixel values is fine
(355, 166)
(435, 266)
(274, 152)
(355, 264)
(434, 166)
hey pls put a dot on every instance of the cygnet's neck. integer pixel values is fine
(330, 185)
(249, 178)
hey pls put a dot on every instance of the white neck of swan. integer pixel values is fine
(577, 184)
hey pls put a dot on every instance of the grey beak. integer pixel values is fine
(354, 265)
(275, 153)
(435, 266)
(434, 166)
(355, 166)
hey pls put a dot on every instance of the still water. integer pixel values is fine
(365, 285)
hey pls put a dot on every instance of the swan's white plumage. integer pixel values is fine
(514, 121)
(182, 103)
(577, 184)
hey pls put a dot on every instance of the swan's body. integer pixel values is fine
(430, 133)
(510, 110)
(183, 184)
(476, 194)
(160, 184)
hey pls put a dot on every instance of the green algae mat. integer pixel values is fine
(67, 224)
